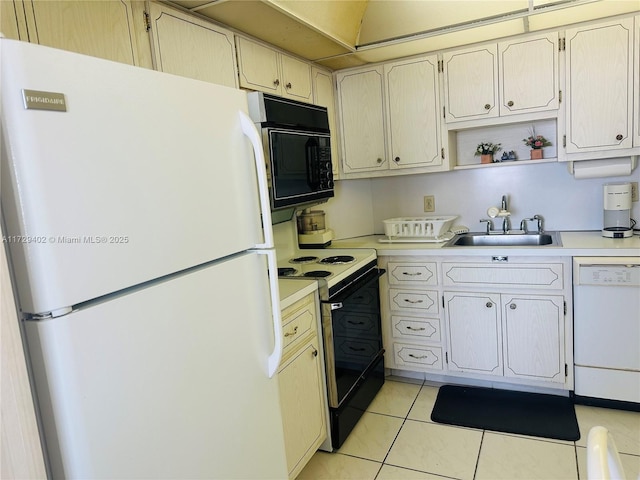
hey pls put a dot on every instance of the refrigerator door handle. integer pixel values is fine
(276, 355)
(250, 130)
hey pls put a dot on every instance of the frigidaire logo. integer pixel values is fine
(39, 100)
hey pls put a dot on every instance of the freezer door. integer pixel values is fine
(170, 381)
(143, 174)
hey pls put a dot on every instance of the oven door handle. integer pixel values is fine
(334, 305)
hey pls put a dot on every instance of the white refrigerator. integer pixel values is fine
(137, 220)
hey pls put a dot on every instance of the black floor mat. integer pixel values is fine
(540, 415)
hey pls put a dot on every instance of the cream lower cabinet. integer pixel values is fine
(509, 320)
(519, 336)
(302, 387)
(496, 319)
(411, 314)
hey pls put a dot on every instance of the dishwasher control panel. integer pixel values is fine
(614, 275)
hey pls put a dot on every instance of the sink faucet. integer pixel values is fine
(506, 215)
(540, 220)
(489, 224)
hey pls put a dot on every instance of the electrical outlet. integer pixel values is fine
(429, 203)
(634, 192)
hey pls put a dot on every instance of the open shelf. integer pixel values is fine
(510, 136)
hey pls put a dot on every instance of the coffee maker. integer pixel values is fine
(617, 210)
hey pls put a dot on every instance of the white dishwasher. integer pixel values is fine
(606, 317)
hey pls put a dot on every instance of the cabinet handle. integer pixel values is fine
(397, 159)
(276, 82)
(513, 306)
(619, 137)
(416, 274)
(489, 304)
(288, 85)
(510, 103)
(355, 323)
(314, 352)
(417, 357)
(415, 329)
(379, 160)
(291, 334)
(361, 349)
(487, 106)
(412, 301)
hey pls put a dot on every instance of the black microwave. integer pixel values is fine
(297, 146)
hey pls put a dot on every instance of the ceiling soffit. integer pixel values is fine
(347, 33)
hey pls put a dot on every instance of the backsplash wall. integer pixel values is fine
(547, 189)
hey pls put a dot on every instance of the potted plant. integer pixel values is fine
(486, 150)
(536, 143)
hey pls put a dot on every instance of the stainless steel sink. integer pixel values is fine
(505, 240)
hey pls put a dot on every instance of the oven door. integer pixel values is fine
(300, 166)
(352, 330)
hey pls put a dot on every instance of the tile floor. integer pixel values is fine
(396, 439)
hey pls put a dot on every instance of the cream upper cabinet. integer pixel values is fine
(362, 119)
(471, 83)
(188, 46)
(636, 84)
(599, 86)
(512, 77)
(324, 95)
(528, 74)
(9, 19)
(100, 28)
(268, 70)
(413, 109)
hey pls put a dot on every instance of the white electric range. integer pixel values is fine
(331, 265)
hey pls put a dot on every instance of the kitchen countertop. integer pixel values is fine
(575, 243)
(293, 290)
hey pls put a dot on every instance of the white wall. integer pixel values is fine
(547, 189)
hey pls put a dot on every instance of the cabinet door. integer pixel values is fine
(323, 95)
(296, 78)
(471, 83)
(101, 28)
(413, 108)
(636, 85)
(187, 46)
(9, 23)
(474, 332)
(258, 67)
(533, 332)
(362, 126)
(302, 405)
(599, 111)
(529, 74)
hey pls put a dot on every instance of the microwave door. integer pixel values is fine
(313, 164)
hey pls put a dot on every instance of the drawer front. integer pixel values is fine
(529, 275)
(412, 273)
(417, 357)
(299, 326)
(298, 322)
(355, 324)
(413, 300)
(425, 329)
(354, 351)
